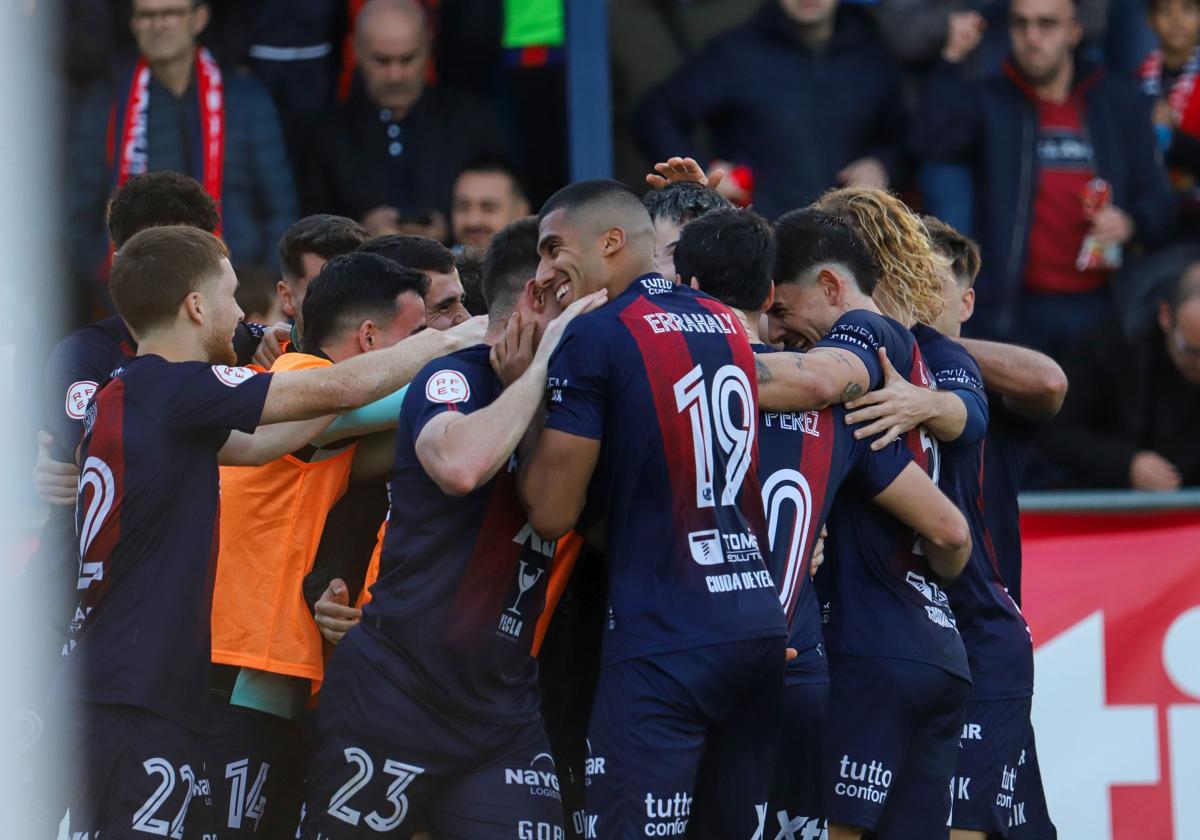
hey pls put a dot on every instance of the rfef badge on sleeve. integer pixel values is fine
(447, 386)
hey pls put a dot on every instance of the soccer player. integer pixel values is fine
(1026, 388)
(997, 784)
(652, 403)
(888, 621)
(345, 551)
(444, 303)
(74, 368)
(805, 459)
(304, 249)
(137, 657)
(429, 715)
(266, 651)
(672, 207)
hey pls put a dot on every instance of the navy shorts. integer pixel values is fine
(385, 762)
(138, 774)
(891, 745)
(985, 777)
(253, 775)
(685, 737)
(1030, 818)
(796, 792)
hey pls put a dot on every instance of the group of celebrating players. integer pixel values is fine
(801, 480)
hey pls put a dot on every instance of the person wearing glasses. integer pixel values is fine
(1146, 438)
(176, 109)
(1066, 174)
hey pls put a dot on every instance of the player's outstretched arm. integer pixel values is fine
(304, 394)
(1032, 384)
(916, 501)
(898, 406)
(462, 452)
(809, 381)
(270, 442)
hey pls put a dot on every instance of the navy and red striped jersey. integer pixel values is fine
(879, 596)
(462, 580)
(999, 647)
(804, 458)
(147, 524)
(75, 369)
(663, 376)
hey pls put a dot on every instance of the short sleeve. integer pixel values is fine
(952, 366)
(855, 331)
(875, 471)
(577, 383)
(219, 397)
(954, 369)
(77, 367)
(447, 385)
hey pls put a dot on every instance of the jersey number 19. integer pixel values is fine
(734, 435)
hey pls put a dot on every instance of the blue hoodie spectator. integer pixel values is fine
(794, 109)
(1000, 126)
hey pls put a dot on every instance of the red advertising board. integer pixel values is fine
(1113, 601)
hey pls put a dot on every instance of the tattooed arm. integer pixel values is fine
(806, 381)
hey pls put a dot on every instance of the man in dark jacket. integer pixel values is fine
(803, 96)
(392, 151)
(1131, 415)
(1041, 137)
(176, 110)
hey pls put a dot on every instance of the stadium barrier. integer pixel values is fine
(1111, 590)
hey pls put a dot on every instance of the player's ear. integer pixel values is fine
(695, 284)
(614, 241)
(770, 298)
(193, 305)
(968, 305)
(286, 302)
(367, 336)
(534, 294)
(831, 285)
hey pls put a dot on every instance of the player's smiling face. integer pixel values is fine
(565, 266)
(800, 315)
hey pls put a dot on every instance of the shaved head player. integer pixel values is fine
(652, 422)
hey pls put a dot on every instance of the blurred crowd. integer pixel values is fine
(1063, 136)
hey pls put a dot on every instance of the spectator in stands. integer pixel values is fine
(487, 196)
(916, 31)
(303, 251)
(1132, 411)
(294, 48)
(177, 110)
(802, 98)
(671, 208)
(390, 154)
(1169, 78)
(647, 43)
(1039, 137)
